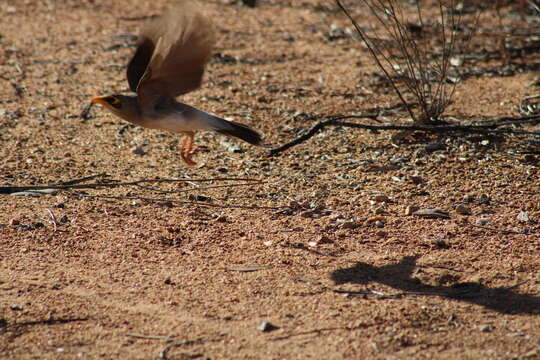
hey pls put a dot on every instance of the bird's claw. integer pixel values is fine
(187, 153)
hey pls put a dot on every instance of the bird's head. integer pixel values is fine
(125, 107)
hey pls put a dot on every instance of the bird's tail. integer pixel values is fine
(234, 129)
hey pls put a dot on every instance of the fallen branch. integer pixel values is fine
(52, 321)
(72, 184)
(319, 126)
(494, 127)
(152, 337)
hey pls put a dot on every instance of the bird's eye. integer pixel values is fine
(114, 101)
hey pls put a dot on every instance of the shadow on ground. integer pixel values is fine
(399, 276)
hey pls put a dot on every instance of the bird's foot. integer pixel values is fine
(188, 150)
(187, 153)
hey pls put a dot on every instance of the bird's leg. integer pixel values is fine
(187, 150)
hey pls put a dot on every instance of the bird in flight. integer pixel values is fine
(172, 52)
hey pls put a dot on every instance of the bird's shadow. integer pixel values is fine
(399, 276)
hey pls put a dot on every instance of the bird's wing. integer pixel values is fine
(139, 62)
(180, 44)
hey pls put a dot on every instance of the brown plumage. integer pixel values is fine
(169, 61)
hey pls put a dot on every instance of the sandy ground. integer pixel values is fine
(317, 242)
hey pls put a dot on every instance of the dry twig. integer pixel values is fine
(182, 202)
(73, 184)
(53, 219)
(151, 337)
(493, 127)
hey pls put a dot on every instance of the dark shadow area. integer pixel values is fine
(399, 276)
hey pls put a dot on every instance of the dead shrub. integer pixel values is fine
(417, 52)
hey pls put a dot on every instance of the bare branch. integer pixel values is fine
(494, 127)
(71, 185)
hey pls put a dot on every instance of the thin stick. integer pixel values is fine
(54, 222)
(319, 126)
(151, 337)
(85, 113)
(176, 201)
(62, 186)
(52, 321)
(490, 128)
(318, 331)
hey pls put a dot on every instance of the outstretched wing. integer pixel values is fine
(172, 53)
(139, 62)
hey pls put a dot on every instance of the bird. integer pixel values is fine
(171, 53)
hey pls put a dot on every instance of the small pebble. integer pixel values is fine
(381, 198)
(222, 218)
(138, 151)
(435, 146)
(463, 209)
(484, 199)
(456, 60)
(307, 214)
(523, 216)
(350, 225)
(266, 326)
(432, 213)
(483, 221)
(374, 219)
(485, 328)
(439, 242)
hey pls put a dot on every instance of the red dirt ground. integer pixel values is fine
(322, 249)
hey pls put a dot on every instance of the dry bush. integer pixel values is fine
(416, 49)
